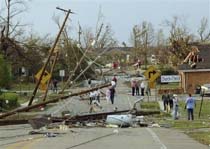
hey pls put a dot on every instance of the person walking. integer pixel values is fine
(92, 97)
(190, 104)
(175, 107)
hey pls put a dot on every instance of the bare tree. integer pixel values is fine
(103, 36)
(203, 31)
(179, 39)
(13, 8)
(142, 37)
(160, 38)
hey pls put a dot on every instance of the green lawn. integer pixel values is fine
(168, 86)
(199, 129)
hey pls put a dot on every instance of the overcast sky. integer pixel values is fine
(121, 14)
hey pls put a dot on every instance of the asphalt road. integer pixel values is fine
(17, 137)
(101, 138)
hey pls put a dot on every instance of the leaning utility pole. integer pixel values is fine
(50, 54)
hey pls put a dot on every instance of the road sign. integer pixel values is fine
(151, 73)
(45, 77)
(43, 87)
(62, 73)
(170, 78)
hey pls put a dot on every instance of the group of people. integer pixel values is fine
(171, 104)
(110, 93)
(135, 85)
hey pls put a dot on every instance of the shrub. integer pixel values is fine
(168, 71)
(9, 101)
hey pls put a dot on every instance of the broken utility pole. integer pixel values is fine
(51, 101)
(50, 54)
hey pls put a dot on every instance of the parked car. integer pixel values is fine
(205, 89)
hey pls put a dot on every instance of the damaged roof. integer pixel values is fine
(204, 53)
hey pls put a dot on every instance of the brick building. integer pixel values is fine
(200, 75)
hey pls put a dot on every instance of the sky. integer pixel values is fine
(122, 15)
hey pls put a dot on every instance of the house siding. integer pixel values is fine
(191, 79)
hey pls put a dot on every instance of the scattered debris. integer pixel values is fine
(155, 125)
(120, 120)
(111, 126)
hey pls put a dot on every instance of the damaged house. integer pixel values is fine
(193, 77)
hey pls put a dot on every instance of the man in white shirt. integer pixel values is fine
(142, 88)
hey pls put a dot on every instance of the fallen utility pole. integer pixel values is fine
(49, 56)
(13, 122)
(39, 122)
(51, 101)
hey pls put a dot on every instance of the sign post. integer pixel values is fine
(152, 74)
(62, 74)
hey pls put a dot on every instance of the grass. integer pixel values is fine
(150, 105)
(199, 129)
(23, 86)
(194, 129)
(168, 86)
(202, 137)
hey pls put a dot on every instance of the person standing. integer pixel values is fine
(170, 98)
(89, 83)
(92, 97)
(190, 105)
(112, 91)
(175, 107)
(133, 86)
(165, 101)
(137, 88)
(142, 88)
(114, 79)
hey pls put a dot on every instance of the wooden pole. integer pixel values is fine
(51, 101)
(48, 59)
(201, 105)
(51, 71)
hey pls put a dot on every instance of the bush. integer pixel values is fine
(9, 101)
(168, 71)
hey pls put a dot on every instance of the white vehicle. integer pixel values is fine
(205, 89)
